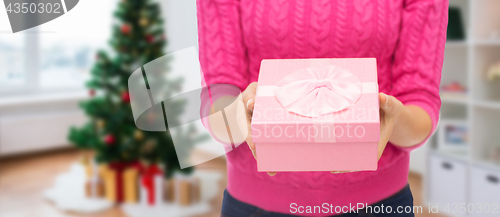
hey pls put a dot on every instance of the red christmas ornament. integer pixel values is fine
(149, 38)
(109, 139)
(126, 97)
(125, 29)
(92, 92)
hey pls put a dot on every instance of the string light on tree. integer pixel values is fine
(100, 124)
(143, 22)
(149, 146)
(138, 135)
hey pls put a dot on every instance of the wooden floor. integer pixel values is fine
(23, 179)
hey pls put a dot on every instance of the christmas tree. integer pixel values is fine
(137, 38)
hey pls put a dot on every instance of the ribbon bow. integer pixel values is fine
(148, 174)
(318, 90)
(119, 167)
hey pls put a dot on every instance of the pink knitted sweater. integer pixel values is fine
(407, 38)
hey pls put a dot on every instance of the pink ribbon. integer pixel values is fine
(318, 90)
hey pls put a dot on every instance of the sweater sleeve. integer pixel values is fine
(418, 58)
(222, 52)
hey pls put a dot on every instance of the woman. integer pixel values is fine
(407, 38)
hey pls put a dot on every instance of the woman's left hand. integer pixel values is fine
(390, 111)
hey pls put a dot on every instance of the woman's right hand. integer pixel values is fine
(248, 97)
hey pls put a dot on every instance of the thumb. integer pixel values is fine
(387, 103)
(249, 96)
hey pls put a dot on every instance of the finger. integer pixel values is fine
(250, 104)
(387, 103)
(251, 145)
(381, 147)
(337, 172)
(384, 100)
(249, 96)
(254, 154)
(244, 124)
(250, 142)
(271, 173)
(249, 139)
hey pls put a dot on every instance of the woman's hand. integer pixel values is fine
(390, 112)
(403, 125)
(248, 97)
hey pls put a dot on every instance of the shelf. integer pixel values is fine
(485, 42)
(454, 155)
(467, 62)
(488, 104)
(455, 98)
(456, 43)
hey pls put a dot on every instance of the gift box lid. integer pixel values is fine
(317, 101)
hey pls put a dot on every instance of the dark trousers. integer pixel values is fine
(398, 202)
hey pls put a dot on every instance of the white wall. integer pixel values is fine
(181, 24)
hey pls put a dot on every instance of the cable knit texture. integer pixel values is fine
(406, 36)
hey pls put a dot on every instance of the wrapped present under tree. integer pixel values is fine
(137, 38)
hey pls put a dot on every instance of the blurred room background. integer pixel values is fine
(42, 82)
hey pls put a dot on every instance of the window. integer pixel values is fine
(12, 56)
(11, 59)
(57, 55)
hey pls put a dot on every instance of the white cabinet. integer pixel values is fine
(485, 192)
(456, 177)
(447, 182)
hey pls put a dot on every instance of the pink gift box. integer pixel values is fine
(317, 115)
